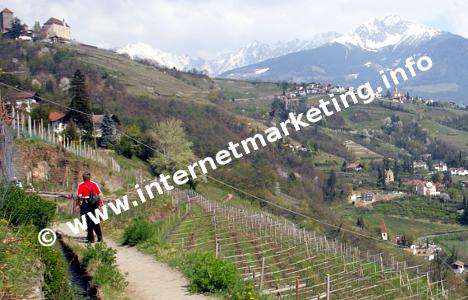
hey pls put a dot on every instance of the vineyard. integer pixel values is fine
(287, 262)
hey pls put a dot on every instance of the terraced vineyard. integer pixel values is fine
(291, 263)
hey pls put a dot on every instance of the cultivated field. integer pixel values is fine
(282, 259)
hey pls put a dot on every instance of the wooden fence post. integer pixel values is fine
(297, 288)
(263, 272)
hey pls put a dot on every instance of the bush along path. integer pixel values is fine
(147, 279)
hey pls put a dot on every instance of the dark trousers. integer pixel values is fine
(92, 227)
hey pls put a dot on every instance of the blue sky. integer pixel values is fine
(207, 27)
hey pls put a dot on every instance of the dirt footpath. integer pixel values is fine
(149, 279)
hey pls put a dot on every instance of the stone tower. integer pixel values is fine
(6, 20)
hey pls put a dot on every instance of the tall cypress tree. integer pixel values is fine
(81, 106)
(107, 131)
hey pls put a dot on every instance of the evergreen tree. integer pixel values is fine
(107, 131)
(360, 223)
(16, 30)
(447, 178)
(71, 132)
(463, 219)
(37, 27)
(381, 176)
(80, 111)
(330, 188)
(396, 170)
(388, 94)
(435, 177)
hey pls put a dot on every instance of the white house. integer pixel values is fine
(422, 252)
(440, 166)
(419, 165)
(383, 231)
(459, 266)
(59, 121)
(458, 171)
(427, 188)
(23, 100)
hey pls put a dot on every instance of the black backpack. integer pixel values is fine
(93, 200)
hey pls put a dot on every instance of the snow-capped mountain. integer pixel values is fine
(256, 52)
(356, 58)
(250, 54)
(145, 51)
(388, 31)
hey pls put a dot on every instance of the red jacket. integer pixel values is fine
(85, 187)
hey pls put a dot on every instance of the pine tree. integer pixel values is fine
(360, 223)
(330, 189)
(16, 30)
(80, 111)
(388, 95)
(107, 131)
(447, 179)
(463, 219)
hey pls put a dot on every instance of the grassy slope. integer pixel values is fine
(138, 78)
(395, 224)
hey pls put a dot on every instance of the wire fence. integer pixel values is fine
(25, 127)
(290, 262)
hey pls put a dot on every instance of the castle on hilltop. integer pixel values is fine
(56, 30)
(53, 30)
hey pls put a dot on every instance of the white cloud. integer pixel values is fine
(209, 26)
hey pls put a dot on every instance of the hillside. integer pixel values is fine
(213, 112)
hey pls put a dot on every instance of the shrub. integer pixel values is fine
(21, 208)
(247, 293)
(56, 281)
(101, 259)
(137, 231)
(208, 274)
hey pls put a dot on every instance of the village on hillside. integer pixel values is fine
(295, 92)
(420, 178)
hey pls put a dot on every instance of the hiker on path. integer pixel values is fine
(90, 199)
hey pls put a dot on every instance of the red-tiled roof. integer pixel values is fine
(21, 95)
(6, 10)
(56, 115)
(383, 228)
(414, 182)
(459, 263)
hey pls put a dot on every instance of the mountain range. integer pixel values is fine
(348, 60)
(249, 54)
(351, 60)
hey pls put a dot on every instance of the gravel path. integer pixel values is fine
(148, 279)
